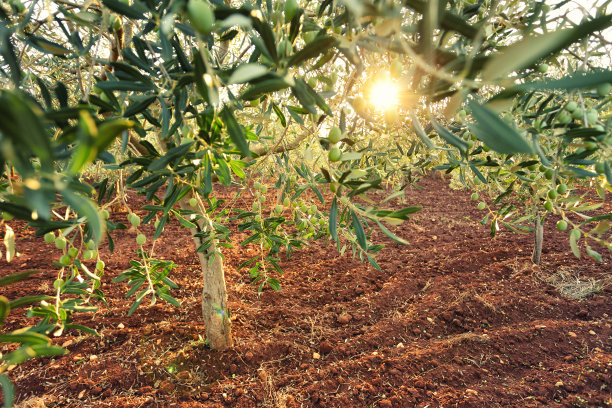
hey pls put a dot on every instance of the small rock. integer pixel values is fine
(325, 347)
(93, 357)
(385, 403)
(166, 386)
(559, 384)
(395, 372)
(67, 343)
(568, 358)
(591, 332)
(121, 326)
(248, 356)
(582, 313)
(400, 345)
(344, 318)
(107, 393)
(316, 355)
(572, 334)
(147, 331)
(471, 392)
(81, 394)
(96, 390)
(233, 368)
(238, 392)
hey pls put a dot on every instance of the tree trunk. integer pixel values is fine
(538, 234)
(214, 294)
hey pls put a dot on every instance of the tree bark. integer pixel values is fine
(215, 313)
(538, 234)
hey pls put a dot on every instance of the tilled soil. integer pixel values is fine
(455, 319)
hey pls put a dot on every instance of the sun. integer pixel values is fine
(383, 94)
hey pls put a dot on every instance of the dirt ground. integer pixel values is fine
(455, 319)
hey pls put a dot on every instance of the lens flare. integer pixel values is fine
(383, 95)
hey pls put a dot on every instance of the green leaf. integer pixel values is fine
(5, 308)
(136, 86)
(594, 254)
(574, 236)
(264, 87)
(8, 390)
(531, 49)
(496, 133)
(16, 277)
(359, 232)
(19, 117)
(138, 106)
(30, 338)
(48, 47)
(313, 49)
(391, 235)
(247, 72)
(169, 299)
(280, 115)
(170, 155)
(236, 133)
(576, 80)
(28, 300)
(86, 208)
(136, 10)
(333, 219)
(418, 129)
(449, 137)
(26, 353)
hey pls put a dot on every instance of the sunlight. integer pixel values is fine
(383, 95)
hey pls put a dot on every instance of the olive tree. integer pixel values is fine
(301, 96)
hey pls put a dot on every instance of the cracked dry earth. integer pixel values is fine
(455, 319)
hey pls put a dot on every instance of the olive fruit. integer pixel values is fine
(571, 106)
(65, 260)
(561, 225)
(562, 188)
(335, 135)
(552, 194)
(542, 68)
(49, 237)
(335, 154)
(73, 252)
(291, 7)
(604, 89)
(105, 214)
(201, 15)
(6, 216)
(193, 202)
(548, 206)
(482, 205)
(134, 220)
(141, 239)
(592, 115)
(600, 168)
(578, 113)
(549, 173)
(88, 254)
(564, 118)
(474, 196)
(396, 69)
(100, 265)
(90, 244)
(60, 243)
